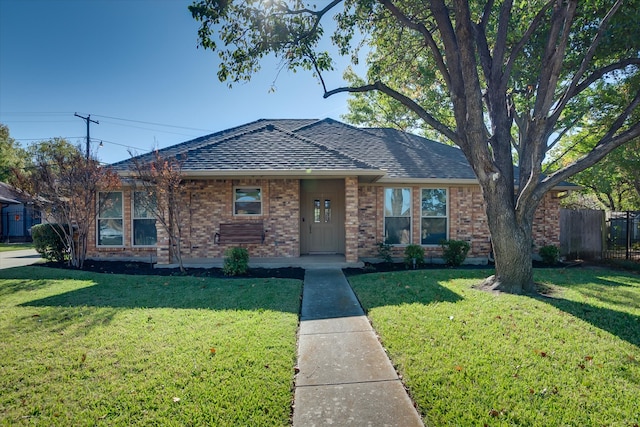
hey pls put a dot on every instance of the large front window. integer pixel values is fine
(247, 201)
(110, 230)
(434, 216)
(144, 222)
(397, 216)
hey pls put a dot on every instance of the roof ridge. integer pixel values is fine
(325, 147)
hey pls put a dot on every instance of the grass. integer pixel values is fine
(6, 247)
(95, 349)
(470, 357)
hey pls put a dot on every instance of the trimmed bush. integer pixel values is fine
(236, 262)
(454, 252)
(550, 254)
(48, 242)
(414, 252)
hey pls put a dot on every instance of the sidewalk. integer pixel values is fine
(19, 258)
(345, 376)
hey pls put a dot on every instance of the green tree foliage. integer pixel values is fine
(499, 79)
(615, 180)
(12, 156)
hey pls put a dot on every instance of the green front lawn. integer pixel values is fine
(6, 247)
(470, 357)
(80, 348)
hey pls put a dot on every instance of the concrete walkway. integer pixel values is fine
(345, 377)
(19, 258)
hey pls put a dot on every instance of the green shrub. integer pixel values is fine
(414, 254)
(550, 254)
(236, 261)
(454, 252)
(48, 241)
(384, 251)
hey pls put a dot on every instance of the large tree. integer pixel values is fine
(505, 79)
(12, 156)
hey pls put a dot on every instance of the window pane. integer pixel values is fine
(111, 205)
(327, 211)
(110, 232)
(433, 230)
(397, 202)
(316, 210)
(143, 204)
(434, 202)
(247, 201)
(144, 232)
(397, 231)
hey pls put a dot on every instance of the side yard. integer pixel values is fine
(472, 358)
(80, 348)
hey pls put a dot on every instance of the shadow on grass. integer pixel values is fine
(623, 325)
(118, 291)
(403, 293)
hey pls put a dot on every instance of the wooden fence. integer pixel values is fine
(582, 233)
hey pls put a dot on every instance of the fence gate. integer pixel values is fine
(581, 233)
(623, 235)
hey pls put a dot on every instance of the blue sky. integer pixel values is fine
(131, 65)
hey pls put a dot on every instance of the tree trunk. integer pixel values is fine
(512, 247)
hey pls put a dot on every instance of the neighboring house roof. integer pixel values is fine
(11, 195)
(318, 148)
(311, 147)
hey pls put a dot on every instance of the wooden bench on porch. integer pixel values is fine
(240, 232)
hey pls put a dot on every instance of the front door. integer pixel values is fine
(322, 219)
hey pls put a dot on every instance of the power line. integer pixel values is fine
(121, 145)
(154, 124)
(46, 139)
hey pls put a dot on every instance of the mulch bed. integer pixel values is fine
(144, 268)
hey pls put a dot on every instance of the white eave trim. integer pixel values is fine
(300, 173)
(429, 181)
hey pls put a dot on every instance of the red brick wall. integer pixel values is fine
(207, 203)
(467, 220)
(210, 202)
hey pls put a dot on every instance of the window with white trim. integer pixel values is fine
(110, 225)
(397, 216)
(247, 201)
(143, 220)
(433, 224)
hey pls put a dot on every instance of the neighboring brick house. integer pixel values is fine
(317, 187)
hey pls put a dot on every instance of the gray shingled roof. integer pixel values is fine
(314, 145)
(11, 195)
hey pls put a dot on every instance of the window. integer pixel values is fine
(397, 216)
(110, 230)
(144, 222)
(247, 201)
(434, 216)
(322, 213)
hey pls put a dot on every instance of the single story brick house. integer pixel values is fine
(316, 187)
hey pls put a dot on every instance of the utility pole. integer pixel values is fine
(88, 120)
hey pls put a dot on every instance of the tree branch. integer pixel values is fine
(588, 57)
(535, 23)
(426, 34)
(404, 100)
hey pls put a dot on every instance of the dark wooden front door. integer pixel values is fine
(322, 219)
